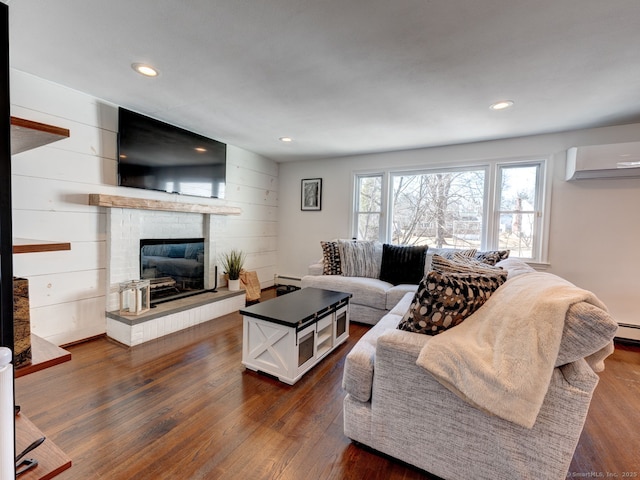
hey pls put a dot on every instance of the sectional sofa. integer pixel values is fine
(376, 275)
(371, 297)
(471, 402)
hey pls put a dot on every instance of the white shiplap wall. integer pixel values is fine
(50, 195)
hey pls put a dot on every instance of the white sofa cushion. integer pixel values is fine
(396, 293)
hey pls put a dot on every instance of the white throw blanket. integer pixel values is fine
(501, 358)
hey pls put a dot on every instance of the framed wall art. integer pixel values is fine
(311, 194)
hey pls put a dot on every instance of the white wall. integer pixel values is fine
(594, 223)
(51, 185)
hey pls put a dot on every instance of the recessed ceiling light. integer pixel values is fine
(144, 69)
(501, 105)
(200, 149)
(286, 139)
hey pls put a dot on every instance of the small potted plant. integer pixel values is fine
(232, 263)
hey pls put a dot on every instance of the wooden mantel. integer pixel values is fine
(114, 201)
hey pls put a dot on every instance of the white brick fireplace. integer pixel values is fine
(125, 228)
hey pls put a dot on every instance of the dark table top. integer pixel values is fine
(297, 308)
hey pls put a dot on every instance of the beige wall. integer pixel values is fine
(594, 225)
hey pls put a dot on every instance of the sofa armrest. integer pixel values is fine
(357, 377)
(588, 332)
(316, 268)
(408, 343)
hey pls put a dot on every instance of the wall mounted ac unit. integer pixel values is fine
(604, 161)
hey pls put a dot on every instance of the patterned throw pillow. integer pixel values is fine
(450, 252)
(402, 264)
(331, 264)
(444, 300)
(492, 257)
(461, 264)
(360, 258)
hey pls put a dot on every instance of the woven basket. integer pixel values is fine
(21, 322)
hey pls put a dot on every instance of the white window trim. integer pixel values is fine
(353, 216)
(538, 208)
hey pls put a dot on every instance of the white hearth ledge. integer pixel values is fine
(170, 317)
(115, 201)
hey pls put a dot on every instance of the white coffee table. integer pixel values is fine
(288, 335)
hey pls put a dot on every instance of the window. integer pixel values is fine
(368, 207)
(488, 207)
(517, 209)
(440, 209)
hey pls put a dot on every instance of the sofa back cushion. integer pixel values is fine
(403, 264)
(515, 267)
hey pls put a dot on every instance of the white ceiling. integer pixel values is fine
(344, 77)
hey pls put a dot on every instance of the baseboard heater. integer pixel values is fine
(629, 325)
(632, 335)
(287, 280)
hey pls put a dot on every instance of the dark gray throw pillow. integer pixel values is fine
(402, 263)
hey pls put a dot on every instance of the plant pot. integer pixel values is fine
(234, 285)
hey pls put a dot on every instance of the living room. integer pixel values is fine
(591, 231)
(68, 289)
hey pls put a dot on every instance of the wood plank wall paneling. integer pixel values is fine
(60, 225)
(66, 287)
(76, 172)
(82, 256)
(184, 407)
(86, 317)
(52, 184)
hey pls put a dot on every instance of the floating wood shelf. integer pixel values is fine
(44, 354)
(26, 134)
(51, 460)
(24, 245)
(114, 201)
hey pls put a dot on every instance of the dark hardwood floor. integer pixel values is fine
(183, 407)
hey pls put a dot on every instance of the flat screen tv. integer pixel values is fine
(154, 155)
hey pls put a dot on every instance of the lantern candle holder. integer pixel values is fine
(135, 297)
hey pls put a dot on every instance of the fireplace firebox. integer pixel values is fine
(175, 267)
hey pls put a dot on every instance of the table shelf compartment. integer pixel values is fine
(324, 341)
(341, 325)
(306, 346)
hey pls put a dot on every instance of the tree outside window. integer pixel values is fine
(518, 204)
(442, 209)
(369, 207)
